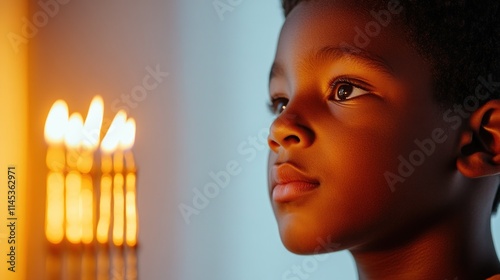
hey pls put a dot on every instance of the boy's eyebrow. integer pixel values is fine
(359, 55)
(276, 70)
(337, 53)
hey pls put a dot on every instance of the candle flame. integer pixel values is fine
(56, 123)
(113, 136)
(73, 136)
(128, 134)
(93, 123)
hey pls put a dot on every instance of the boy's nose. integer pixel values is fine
(288, 132)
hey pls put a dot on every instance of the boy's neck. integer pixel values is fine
(459, 246)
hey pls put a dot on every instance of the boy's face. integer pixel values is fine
(357, 106)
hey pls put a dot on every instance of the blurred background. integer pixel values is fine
(205, 115)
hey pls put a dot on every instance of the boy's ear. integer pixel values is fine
(480, 142)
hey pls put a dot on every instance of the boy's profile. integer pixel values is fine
(386, 140)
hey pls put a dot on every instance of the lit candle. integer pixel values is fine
(87, 210)
(91, 134)
(55, 129)
(104, 219)
(111, 184)
(73, 140)
(130, 200)
(118, 198)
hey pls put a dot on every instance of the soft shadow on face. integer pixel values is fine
(357, 99)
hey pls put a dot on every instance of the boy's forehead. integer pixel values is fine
(313, 26)
(317, 24)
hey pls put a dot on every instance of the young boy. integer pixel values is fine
(386, 140)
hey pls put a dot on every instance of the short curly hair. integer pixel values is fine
(460, 39)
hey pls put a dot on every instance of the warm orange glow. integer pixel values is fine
(87, 209)
(15, 122)
(131, 212)
(56, 123)
(104, 209)
(106, 163)
(118, 210)
(93, 123)
(73, 207)
(85, 160)
(113, 136)
(118, 161)
(54, 219)
(55, 158)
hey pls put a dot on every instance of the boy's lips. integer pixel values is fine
(289, 183)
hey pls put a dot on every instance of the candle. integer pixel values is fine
(87, 209)
(74, 229)
(72, 140)
(118, 199)
(72, 197)
(91, 134)
(111, 185)
(55, 129)
(130, 201)
(104, 220)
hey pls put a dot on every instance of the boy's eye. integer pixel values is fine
(277, 105)
(344, 90)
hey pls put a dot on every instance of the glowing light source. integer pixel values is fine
(93, 122)
(105, 210)
(54, 132)
(56, 123)
(86, 210)
(118, 210)
(131, 211)
(70, 189)
(55, 208)
(73, 135)
(112, 138)
(73, 207)
(130, 184)
(128, 138)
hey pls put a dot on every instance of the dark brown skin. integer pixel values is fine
(436, 224)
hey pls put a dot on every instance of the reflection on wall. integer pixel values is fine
(13, 142)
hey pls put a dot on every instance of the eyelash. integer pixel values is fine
(336, 82)
(277, 102)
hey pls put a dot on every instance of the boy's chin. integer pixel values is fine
(308, 241)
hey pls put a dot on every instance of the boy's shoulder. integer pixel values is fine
(494, 277)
